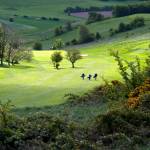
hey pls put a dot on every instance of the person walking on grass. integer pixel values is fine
(83, 76)
(89, 77)
(95, 76)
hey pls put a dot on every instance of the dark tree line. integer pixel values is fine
(60, 30)
(123, 27)
(120, 11)
(94, 17)
(90, 9)
(85, 36)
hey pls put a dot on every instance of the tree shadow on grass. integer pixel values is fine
(22, 67)
(78, 68)
(4, 66)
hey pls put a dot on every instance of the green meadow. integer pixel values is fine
(35, 29)
(38, 84)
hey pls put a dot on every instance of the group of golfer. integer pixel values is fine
(89, 76)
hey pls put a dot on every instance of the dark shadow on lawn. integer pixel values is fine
(4, 66)
(22, 67)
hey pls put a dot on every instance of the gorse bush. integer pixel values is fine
(138, 95)
(130, 71)
(117, 129)
(114, 91)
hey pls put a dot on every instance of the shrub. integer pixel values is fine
(37, 46)
(93, 17)
(137, 96)
(56, 58)
(136, 76)
(84, 35)
(11, 19)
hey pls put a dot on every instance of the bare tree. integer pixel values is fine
(3, 43)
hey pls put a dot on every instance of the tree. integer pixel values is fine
(56, 58)
(93, 17)
(11, 19)
(68, 26)
(122, 27)
(73, 56)
(3, 44)
(58, 31)
(84, 35)
(15, 52)
(58, 44)
(98, 36)
(37, 46)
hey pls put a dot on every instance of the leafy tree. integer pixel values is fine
(84, 35)
(56, 58)
(68, 26)
(98, 36)
(73, 56)
(58, 31)
(37, 46)
(122, 27)
(93, 17)
(58, 44)
(11, 19)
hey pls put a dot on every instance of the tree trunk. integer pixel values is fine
(73, 65)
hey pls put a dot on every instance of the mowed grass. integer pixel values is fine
(38, 84)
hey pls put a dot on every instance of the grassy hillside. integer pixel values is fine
(34, 29)
(50, 7)
(39, 84)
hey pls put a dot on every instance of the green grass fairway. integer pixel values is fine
(39, 84)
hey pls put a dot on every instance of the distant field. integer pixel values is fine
(103, 28)
(33, 29)
(50, 7)
(85, 15)
(39, 84)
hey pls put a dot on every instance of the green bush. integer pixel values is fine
(37, 46)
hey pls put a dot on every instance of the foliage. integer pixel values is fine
(84, 35)
(5, 113)
(58, 44)
(56, 58)
(68, 26)
(11, 48)
(37, 46)
(136, 23)
(73, 56)
(109, 92)
(94, 17)
(116, 129)
(98, 36)
(120, 11)
(136, 96)
(58, 31)
(3, 44)
(90, 9)
(131, 72)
